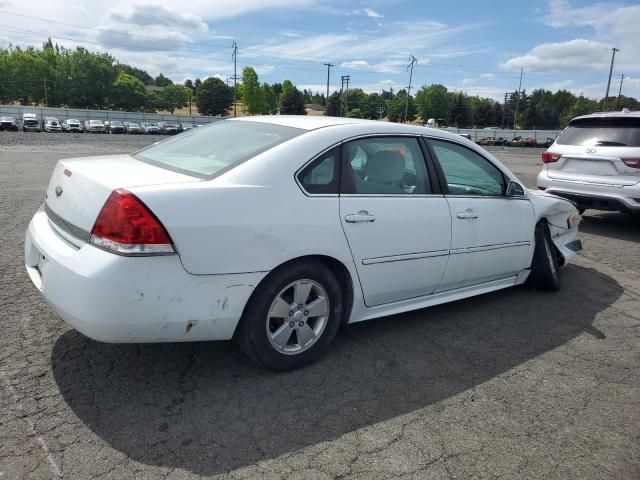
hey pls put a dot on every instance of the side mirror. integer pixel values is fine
(514, 189)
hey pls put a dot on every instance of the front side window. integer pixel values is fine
(467, 172)
(210, 150)
(385, 166)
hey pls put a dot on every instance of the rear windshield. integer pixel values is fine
(605, 132)
(208, 151)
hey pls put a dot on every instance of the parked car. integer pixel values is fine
(94, 126)
(133, 128)
(169, 128)
(490, 141)
(30, 123)
(521, 142)
(115, 126)
(72, 125)
(51, 124)
(169, 245)
(151, 128)
(187, 126)
(595, 162)
(546, 144)
(9, 123)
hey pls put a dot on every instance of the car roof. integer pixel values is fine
(618, 114)
(315, 122)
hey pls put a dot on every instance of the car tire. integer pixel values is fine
(545, 271)
(280, 334)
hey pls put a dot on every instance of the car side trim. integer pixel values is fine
(403, 257)
(483, 248)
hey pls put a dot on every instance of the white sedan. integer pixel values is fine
(275, 230)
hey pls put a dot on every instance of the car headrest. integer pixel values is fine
(385, 166)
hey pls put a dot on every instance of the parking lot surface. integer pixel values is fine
(512, 384)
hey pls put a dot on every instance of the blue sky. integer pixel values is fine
(477, 47)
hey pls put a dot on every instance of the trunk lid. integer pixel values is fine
(599, 165)
(79, 187)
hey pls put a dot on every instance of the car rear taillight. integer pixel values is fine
(632, 162)
(127, 227)
(548, 157)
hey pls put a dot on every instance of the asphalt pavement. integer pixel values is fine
(512, 384)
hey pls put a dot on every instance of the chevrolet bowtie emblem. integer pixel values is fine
(58, 191)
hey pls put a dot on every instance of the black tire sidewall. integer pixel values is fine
(544, 276)
(254, 339)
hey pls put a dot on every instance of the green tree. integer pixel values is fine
(162, 81)
(252, 93)
(214, 97)
(396, 107)
(269, 99)
(287, 86)
(173, 96)
(293, 103)
(128, 93)
(333, 105)
(460, 111)
(140, 74)
(433, 102)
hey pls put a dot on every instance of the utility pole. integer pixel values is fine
(515, 116)
(619, 92)
(326, 100)
(413, 61)
(344, 103)
(504, 111)
(606, 95)
(234, 55)
(46, 95)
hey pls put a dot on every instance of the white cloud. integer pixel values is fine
(425, 37)
(572, 56)
(488, 75)
(369, 12)
(159, 15)
(386, 66)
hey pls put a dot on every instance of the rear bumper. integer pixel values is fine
(595, 196)
(119, 299)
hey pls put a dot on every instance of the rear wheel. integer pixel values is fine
(545, 273)
(292, 317)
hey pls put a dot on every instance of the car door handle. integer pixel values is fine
(468, 214)
(361, 216)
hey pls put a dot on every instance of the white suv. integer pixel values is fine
(595, 162)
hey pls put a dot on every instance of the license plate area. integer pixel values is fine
(589, 167)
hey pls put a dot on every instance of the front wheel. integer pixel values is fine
(545, 273)
(292, 317)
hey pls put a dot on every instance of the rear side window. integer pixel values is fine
(322, 176)
(208, 151)
(385, 166)
(603, 131)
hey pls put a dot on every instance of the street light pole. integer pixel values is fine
(606, 95)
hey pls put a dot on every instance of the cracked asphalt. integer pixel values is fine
(512, 384)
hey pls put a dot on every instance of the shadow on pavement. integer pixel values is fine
(205, 408)
(616, 225)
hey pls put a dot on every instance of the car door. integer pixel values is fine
(396, 220)
(492, 233)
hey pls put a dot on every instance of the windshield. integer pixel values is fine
(208, 151)
(95, 122)
(602, 131)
